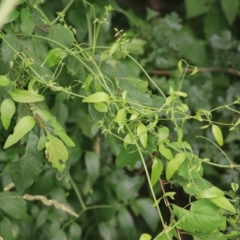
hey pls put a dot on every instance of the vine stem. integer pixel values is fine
(78, 194)
(151, 188)
(64, 10)
(144, 71)
(168, 205)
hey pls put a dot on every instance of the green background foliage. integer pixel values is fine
(119, 121)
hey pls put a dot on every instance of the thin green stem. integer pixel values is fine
(220, 165)
(78, 194)
(149, 78)
(42, 14)
(64, 10)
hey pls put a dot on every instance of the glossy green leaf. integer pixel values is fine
(224, 203)
(142, 134)
(114, 48)
(157, 168)
(41, 142)
(166, 152)
(217, 133)
(234, 186)
(56, 152)
(7, 111)
(93, 166)
(27, 169)
(24, 96)
(181, 94)
(128, 140)
(24, 125)
(195, 70)
(14, 206)
(4, 81)
(54, 56)
(97, 97)
(230, 9)
(145, 236)
(212, 192)
(180, 68)
(87, 83)
(121, 116)
(203, 217)
(163, 133)
(174, 164)
(101, 107)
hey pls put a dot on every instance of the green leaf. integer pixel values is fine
(24, 96)
(54, 56)
(126, 223)
(27, 169)
(203, 217)
(97, 97)
(61, 35)
(7, 111)
(230, 9)
(195, 70)
(24, 125)
(27, 25)
(41, 142)
(212, 192)
(7, 230)
(163, 133)
(14, 206)
(174, 164)
(165, 151)
(150, 215)
(181, 94)
(93, 166)
(120, 118)
(157, 168)
(128, 156)
(56, 152)
(87, 82)
(145, 236)
(180, 66)
(217, 133)
(224, 203)
(101, 107)
(195, 8)
(13, 16)
(234, 186)
(50, 120)
(114, 48)
(7, 53)
(142, 134)
(107, 231)
(4, 81)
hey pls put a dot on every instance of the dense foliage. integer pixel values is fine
(118, 122)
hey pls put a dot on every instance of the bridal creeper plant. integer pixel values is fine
(43, 62)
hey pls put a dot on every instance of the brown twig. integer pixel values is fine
(201, 70)
(168, 205)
